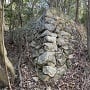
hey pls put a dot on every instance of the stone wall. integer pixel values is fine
(53, 45)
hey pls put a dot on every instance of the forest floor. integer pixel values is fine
(76, 78)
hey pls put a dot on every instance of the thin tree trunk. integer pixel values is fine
(77, 11)
(4, 79)
(88, 30)
(64, 6)
(20, 6)
(3, 52)
(68, 8)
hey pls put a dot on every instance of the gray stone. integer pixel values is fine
(33, 44)
(60, 26)
(49, 27)
(66, 47)
(48, 88)
(58, 55)
(71, 56)
(68, 29)
(36, 88)
(62, 60)
(50, 39)
(63, 33)
(67, 51)
(41, 51)
(49, 13)
(57, 30)
(50, 46)
(48, 33)
(47, 57)
(43, 77)
(51, 64)
(50, 20)
(71, 46)
(49, 70)
(37, 47)
(61, 41)
(35, 60)
(35, 53)
(60, 71)
(65, 37)
(60, 52)
(35, 78)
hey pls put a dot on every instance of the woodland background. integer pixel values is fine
(19, 16)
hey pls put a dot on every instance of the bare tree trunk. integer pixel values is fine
(64, 6)
(77, 11)
(19, 13)
(88, 30)
(3, 52)
(4, 79)
(68, 8)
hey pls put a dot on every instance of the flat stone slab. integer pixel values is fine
(48, 33)
(50, 39)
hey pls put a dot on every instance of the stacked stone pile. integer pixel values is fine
(54, 45)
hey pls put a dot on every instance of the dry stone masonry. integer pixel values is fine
(54, 45)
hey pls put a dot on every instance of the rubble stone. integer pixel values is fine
(46, 57)
(51, 71)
